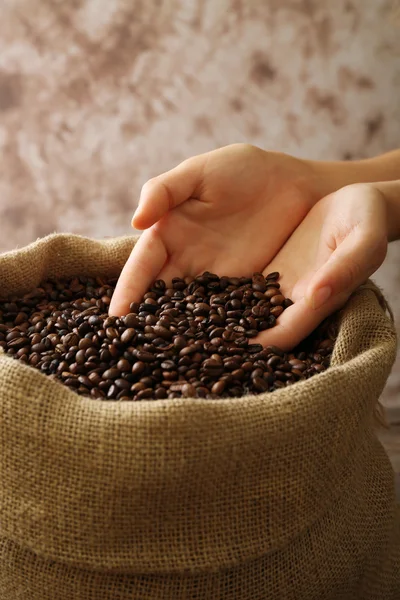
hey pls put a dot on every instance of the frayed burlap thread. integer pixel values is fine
(286, 495)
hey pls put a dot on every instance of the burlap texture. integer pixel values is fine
(286, 495)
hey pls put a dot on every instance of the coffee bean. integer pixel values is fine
(188, 391)
(70, 382)
(260, 384)
(218, 387)
(212, 364)
(80, 357)
(138, 368)
(271, 292)
(217, 358)
(216, 333)
(84, 380)
(275, 275)
(180, 342)
(112, 392)
(259, 285)
(111, 374)
(274, 361)
(124, 365)
(40, 348)
(191, 339)
(144, 356)
(122, 384)
(138, 387)
(277, 300)
(276, 311)
(17, 342)
(94, 378)
(163, 332)
(167, 365)
(189, 350)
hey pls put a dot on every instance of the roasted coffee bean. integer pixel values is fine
(94, 378)
(138, 387)
(275, 275)
(274, 361)
(124, 365)
(163, 332)
(218, 387)
(128, 335)
(111, 374)
(259, 285)
(144, 356)
(167, 365)
(191, 340)
(276, 311)
(122, 384)
(211, 364)
(138, 368)
(259, 384)
(70, 382)
(84, 380)
(238, 374)
(112, 333)
(192, 349)
(40, 348)
(17, 342)
(84, 343)
(202, 392)
(277, 300)
(188, 391)
(80, 357)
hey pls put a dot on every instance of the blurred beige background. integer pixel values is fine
(96, 96)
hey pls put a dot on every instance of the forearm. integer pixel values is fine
(330, 176)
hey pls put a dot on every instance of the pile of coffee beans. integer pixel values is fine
(190, 340)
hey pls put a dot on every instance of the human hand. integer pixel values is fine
(228, 211)
(339, 244)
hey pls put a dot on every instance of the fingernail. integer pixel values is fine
(320, 297)
(135, 215)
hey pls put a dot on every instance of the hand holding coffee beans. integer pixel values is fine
(241, 209)
(221, 211)
(191, 340)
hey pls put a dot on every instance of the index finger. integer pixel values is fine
(142, 267)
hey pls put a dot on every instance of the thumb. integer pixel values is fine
(353, 261)
(163, 193)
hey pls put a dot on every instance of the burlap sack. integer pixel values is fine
(281, 496)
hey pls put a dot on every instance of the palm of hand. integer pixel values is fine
(241, 209)
(339, 244)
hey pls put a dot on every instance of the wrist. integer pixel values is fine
(390, 191)
(330, 176)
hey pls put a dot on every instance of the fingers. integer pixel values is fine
(296, 323)
(163, 193)
(141, 269)
(353, 261)
(170, 271)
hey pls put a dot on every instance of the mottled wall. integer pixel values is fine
(96, 96)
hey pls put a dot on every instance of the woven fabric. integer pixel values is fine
(284, 495)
